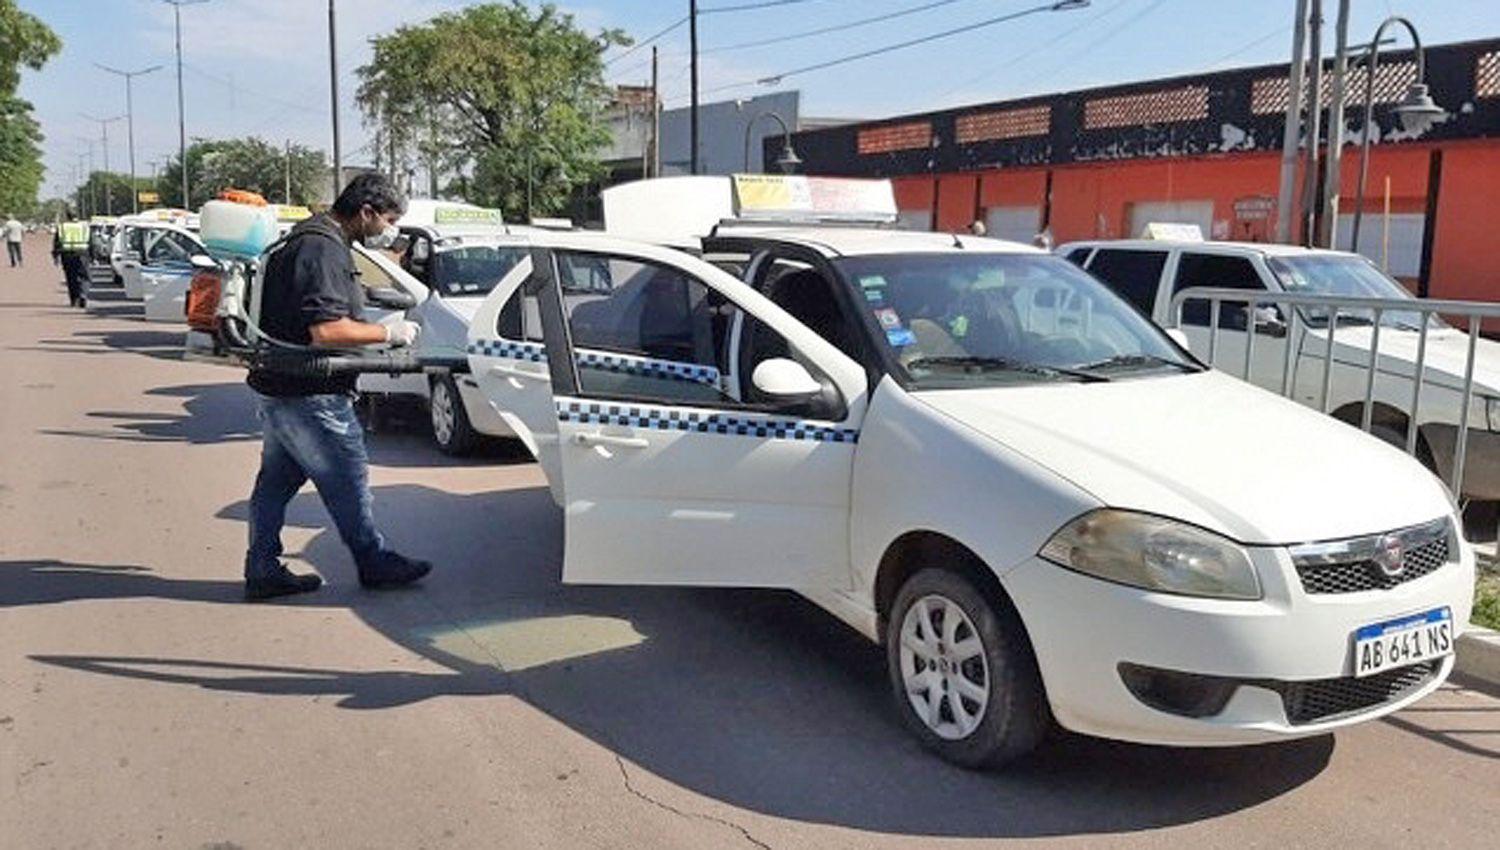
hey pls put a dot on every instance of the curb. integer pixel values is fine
(1479, 655)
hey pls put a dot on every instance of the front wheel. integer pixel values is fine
(963, 673)
(451, 429)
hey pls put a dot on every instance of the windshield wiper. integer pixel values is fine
(1126, 361)
(1007, 364)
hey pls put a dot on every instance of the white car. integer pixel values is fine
(1148, 273)
(454, 254)
(980, 458)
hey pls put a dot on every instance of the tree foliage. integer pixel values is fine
(255, 164)
(24, 42)
(500, 97)
(108, 192)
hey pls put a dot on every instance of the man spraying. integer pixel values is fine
(312, 296)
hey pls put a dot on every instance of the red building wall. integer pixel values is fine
(1093, 200)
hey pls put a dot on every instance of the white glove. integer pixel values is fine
(402, 332)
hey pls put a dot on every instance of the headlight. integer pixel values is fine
(1154, 553)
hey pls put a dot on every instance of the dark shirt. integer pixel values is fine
(308, 281)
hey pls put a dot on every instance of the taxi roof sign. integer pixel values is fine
(1172, 231)
(682, 210)
(794, 197)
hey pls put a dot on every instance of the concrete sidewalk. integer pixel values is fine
(143, 704)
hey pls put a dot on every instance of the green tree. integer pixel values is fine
(254, 164)
(24, 42)
(506, 100)
(109, 191)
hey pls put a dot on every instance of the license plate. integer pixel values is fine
(1400, 643)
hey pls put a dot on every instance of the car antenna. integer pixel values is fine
(957, 243)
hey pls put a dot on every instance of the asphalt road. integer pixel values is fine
(143, 705)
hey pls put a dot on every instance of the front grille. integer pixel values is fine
(1354, 576)
(1325, 699)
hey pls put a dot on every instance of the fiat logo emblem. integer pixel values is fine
(1390, 557)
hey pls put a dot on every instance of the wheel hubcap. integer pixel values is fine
(943, 667)
(442, 414)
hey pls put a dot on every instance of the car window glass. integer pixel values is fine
(1133, 275)
(473, 270)
(650, 332)
(1078, 255)
(1219, 271)
(371, 275)
(169, 247)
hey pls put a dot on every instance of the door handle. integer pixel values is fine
(595, 438)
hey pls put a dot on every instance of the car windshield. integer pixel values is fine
(1344, 275)
(473, 270)
(960, 320)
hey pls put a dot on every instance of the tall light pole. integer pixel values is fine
(333, 93)
(181, 119)
(788, 161)
(1286, 200)
(104, 139)
(1416, 110)
(88, 179)
(693, 117)
(135, 199)
(1332, 165)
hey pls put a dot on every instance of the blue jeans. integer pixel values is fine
(313, 437)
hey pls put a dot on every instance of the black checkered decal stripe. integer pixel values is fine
(532, 351)
(702, 422)
(650, 367)
(611, 362)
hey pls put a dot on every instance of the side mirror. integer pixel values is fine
(420, 251)
(388, 298)
(203, 261)
(785, 380)
(1268, 322)
(1178, 336)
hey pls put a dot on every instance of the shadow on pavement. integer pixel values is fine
(211, 413)
(754, 698)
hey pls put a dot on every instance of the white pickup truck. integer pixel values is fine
(1148, 273)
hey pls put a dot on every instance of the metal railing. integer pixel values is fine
(1376, 308)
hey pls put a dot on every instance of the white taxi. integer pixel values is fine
(454, 254)
(977, 456)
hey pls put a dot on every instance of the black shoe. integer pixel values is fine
(392, 570)
(282, 583)
(83, 303)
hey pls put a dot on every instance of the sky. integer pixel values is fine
(260, 67)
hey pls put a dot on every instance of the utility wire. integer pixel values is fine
(1091, 46)
(750, 7)
(774, 79)
(1240, 51)
(638, 45)
(900, 13)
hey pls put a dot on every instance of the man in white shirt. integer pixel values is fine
(14, 233)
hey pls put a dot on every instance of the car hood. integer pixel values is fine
(1447, 353)
(1210, 450)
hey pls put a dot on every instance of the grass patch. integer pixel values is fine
(1487, 599)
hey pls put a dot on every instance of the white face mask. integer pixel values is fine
(384, 239)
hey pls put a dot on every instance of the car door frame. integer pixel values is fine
(758, 538)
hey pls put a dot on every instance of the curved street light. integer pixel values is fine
(788, 161)
(1416, 110)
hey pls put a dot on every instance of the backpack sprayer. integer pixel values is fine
(225, 295)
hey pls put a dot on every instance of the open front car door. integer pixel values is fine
(693, 432)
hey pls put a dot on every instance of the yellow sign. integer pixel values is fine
(467, 215)
(148, 197)
(292, 212)
(794, 197)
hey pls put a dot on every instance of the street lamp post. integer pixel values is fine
(1416, 110)
(104, 139)
(788, 161)
(135, 200)
(181, 119)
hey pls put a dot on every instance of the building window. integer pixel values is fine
(895, 137)
(1270, 95)
(1487, 75)
(1167, 106)
(1004, 124)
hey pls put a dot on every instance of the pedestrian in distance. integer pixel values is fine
(312, 297)
(14, 233)
(72, 243)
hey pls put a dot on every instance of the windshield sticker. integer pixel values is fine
(888, 318)
(959, 327)
(873, 285)
(900, 337)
